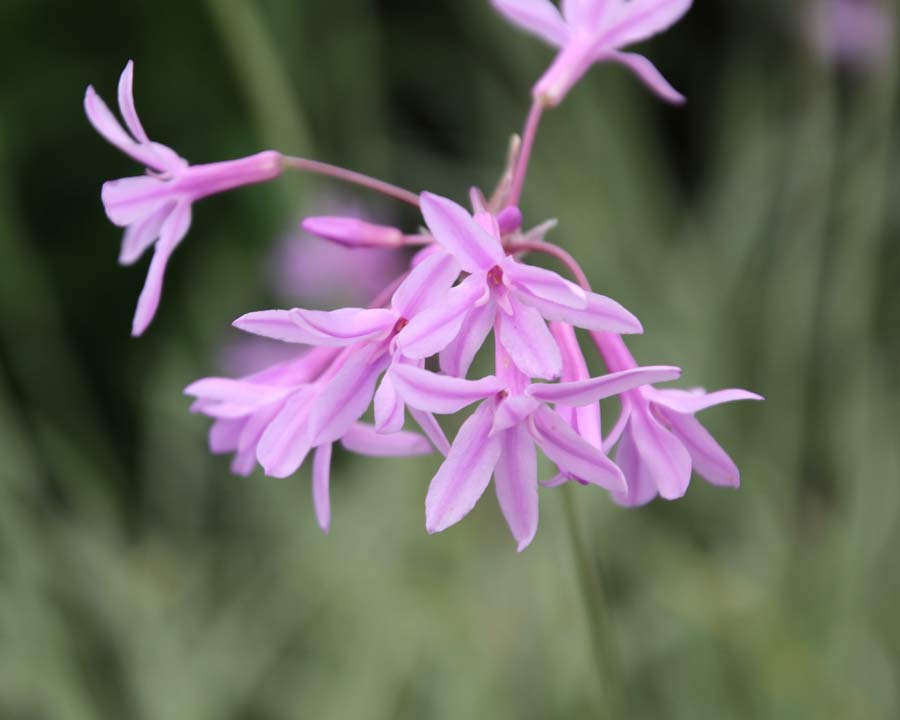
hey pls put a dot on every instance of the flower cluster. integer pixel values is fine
(409, 355)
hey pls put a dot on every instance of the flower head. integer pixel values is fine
(591, 31)
(155, 208)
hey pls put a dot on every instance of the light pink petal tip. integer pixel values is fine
(456, 230)
(639, 20)
(709, 460)
(126, 104)
(538, 17)
(516, 484)
(525, 336)
(584, 392)
(440, 394)
(686, 401)
(321, 478)
(364, 439)
(648, 74)
(653, 460)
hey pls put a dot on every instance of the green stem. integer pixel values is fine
(597, 609)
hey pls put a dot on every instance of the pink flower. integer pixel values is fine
(856, 32)
(266, 417)
(156, 208)
(501, 437)
(520, 297)
(591, 31)
(661, 440)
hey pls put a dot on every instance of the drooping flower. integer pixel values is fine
(502, 436)
(156, 208)
(659, 439)
(503, 292)
(371, 335)
(592, 31)
(265, 417)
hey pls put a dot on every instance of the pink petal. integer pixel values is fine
(649, 75)
(134, 199)
(320, 480)
(464, 475)
(441, 394)
(285, 443)
(585, 392)
(340, 328)
(685, 401)
(584, 13)
(586, 419)
(354, 233)
(243, 463)
(237, 397)
(363, 439)
(641, 19)
(653, 458)
(173, 231)
(525, 336)
(432, 429)
(539, 17)
(346, 397)
(572, 454)
(426, 286)
(126, 104)
(457, 357)
(105, 123)
(545, 285)
(278, 325)
(456, 230)
(390, 412)
(513, 411)
(224, 435)
(515, 481)
(601, 313)
(709, 459)
(142, 234)
(431, 331)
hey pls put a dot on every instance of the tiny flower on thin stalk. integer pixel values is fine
(593, 31)
(500, 438)
(155, 208)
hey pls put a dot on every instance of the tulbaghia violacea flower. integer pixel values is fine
(501, 436)
(156, 207)
(660, 440)
(265, 417)
(372, 337)
(520, 297)
(592, 31)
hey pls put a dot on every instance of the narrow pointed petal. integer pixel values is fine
(688, 402)
(390, 411)
(142, 234)
(243, 463)
(463, 477)
(285, 443)
(456, 230)
(516, 484)
(426, 286)
(556, 481)
(538, 17)
(433, 330)
(224, 435)
(653, 457)
(512, 411)
(364, 439)
(457, 357)
(278, 325)
(710, 461)
(642, 19)
(572, 454)
(244, 397)
(585, 392)
(173, 231)
(586, 419)
(354, 233)
(105, 123)
(641, 485)
(432, 428)
(527, 339)
(321, 477)
(584, 13)
(545, 285)
(648, 74)
(126, 104)
(346, 397)
(343, 327)
(133, 199)
(601, 313)
(440, 394)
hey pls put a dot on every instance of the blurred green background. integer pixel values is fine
(755, 233)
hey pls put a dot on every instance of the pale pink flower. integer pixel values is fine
(502, 436)
(659, 439)
(156, 208)
(503, 292)
(855, 32)
(592, 31)
(266, 417)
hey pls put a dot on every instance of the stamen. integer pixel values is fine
(495, 276)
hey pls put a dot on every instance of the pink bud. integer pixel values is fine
(351, 232)
(509, 219)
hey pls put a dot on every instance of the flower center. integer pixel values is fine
(495, 276)
(399, 325)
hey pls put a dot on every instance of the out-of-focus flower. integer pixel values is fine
(660, 440)
(501, 436)
(266, 417)
(501, 292)
(852, 32)
(592, 31)
(156, 208)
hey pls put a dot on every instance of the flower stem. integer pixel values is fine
(528, 136)
(596, 607)
(354, 178)
(564, 256)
